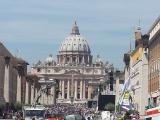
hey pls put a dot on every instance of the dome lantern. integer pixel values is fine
(75, 29)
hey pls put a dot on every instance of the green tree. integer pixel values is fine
(18, 106)
(110, 107)
(1, 108)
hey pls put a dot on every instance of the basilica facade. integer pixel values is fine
(78, 75)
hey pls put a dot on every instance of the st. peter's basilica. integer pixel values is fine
(78, 75)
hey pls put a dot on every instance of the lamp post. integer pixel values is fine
(49, 83)
(100, 89)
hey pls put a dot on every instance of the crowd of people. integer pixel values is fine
(67, 109)
(12, 115)
(63, 110)
(60, 109)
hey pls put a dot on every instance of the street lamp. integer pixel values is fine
(101, 84)
(100, 89)
(47, 83)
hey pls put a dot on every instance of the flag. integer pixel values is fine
(126, 86)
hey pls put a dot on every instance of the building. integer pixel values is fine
(13, 73)
(154, 64)
(77, 75)
(136, 69)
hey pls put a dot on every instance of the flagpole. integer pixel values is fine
(126, 86)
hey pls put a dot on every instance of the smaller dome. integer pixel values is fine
(39, 63)
(49, 60)
(98, 59)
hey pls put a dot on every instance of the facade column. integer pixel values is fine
(88, 59)
(32, 93)
(89, 92)
(6, 79)
(84, 90)
(27, 93)
(68, 90)
(43, 97)
(53, 95)
(71, 59)
(72, 85)
(19, 83)
(62, 89)
(19, 77)
(81, 89)
(58, 59)
(76, 60)
(75, 95)
(83, 59)
(117, 90)
(64, 58)
(36, 92)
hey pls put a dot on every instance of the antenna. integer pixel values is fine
(139, 24)
(130, 46)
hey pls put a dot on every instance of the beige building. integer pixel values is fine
(77, 75)
(137, 68)
(12, 77)
(154, 64)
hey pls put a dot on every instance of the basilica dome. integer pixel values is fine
(74, 50)
(50, 60)
(74, 43)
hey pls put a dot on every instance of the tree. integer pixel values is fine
(1, 108)
(18, 106)
(110, 107)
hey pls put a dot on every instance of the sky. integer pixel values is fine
(33, 29)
